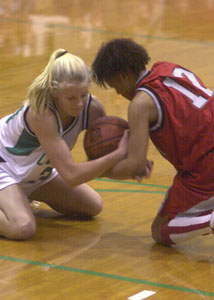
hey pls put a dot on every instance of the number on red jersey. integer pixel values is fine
(198, 101)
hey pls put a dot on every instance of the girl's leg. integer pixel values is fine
(16, 217)
(80, 200)
(176, 222)
(186, 211)
(181, 228)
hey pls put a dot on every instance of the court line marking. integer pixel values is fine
(104, 31)
(142, 295)
(109, 276)
(129, 191)
(132, 182)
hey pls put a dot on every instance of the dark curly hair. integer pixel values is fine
(118, 56)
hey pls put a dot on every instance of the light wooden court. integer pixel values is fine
(112, 257)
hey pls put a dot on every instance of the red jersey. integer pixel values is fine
(184, 131)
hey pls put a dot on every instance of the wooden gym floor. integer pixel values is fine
(112, 257)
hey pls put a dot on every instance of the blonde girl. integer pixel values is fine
(35, 143)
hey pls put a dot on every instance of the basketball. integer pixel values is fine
(103, 136)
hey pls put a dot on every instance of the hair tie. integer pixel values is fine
(61, 54)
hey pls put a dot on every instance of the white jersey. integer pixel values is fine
(22, 158)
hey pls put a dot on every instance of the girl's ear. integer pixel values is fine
(54, 92)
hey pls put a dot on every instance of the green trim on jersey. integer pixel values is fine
(25, 145)
(13, 115)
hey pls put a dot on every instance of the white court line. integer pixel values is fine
(142, 295)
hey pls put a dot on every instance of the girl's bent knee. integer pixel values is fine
(156, 234)
(160, 233)
(99, 206)
(96, 209)
(23, 229)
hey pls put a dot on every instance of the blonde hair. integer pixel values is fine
(62, 67)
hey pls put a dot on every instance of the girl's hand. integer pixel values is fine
(149, 167)
(147, 171)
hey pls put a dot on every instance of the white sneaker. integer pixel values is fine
(212, 222)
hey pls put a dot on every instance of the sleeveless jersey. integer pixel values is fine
(184, 132)
(21, 155)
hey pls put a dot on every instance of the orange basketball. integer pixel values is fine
(103, 136)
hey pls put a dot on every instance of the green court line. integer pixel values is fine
(109, 276)
(129, 191)
(104, 31)
(131, 182)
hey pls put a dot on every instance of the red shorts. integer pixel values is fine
(190, 188)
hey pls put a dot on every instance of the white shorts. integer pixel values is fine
(6, 180)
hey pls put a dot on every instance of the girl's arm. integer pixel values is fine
(46, 129)
(142, 112)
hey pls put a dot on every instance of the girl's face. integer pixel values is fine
(124, 85)
(71, 99)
